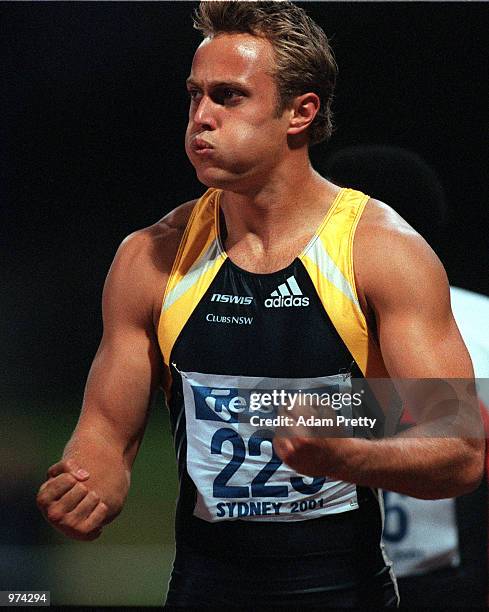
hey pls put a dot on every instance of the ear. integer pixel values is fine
(304, 109)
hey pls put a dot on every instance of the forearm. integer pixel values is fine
(428, 468)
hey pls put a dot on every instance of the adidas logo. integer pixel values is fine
(287, 294)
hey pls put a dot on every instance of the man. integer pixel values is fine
(251, 288)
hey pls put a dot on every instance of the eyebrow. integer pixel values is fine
(216, 84)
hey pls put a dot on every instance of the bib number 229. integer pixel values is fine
(259, 488)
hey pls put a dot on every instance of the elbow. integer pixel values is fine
(461, 476)
(471, 470)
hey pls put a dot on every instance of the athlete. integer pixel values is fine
(275, 279)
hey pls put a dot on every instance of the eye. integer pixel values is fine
(193, 94)
(227, 95)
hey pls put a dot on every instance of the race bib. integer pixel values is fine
(420, 535)
(230, 458)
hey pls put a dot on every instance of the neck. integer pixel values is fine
(290, 203)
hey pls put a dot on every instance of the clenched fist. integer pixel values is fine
(67, 501)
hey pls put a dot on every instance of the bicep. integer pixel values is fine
(126, 368)
(420, 342)
(417, 332)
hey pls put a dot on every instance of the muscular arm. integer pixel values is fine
(123, 376)
(406, 287)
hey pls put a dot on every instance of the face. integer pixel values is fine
(234, 136)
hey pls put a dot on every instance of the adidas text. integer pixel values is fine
(287, 294)
(279, 302)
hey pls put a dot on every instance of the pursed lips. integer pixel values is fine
(199, 144)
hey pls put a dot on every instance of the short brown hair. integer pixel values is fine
(304, 60)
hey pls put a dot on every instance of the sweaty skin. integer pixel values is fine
(273, 202)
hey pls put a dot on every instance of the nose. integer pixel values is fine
(204, 114)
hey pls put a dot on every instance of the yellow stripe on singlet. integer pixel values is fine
(198, 260)
(328, 259)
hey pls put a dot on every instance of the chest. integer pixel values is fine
(261, 324)
(278, 257)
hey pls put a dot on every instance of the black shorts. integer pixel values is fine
(334, 561)
(313, 580)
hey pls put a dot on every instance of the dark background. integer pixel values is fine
(93, 111)
(93, 116)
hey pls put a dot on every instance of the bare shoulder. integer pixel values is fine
(159, 242)
(144, 260)
(393, 261)
(152, 250)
